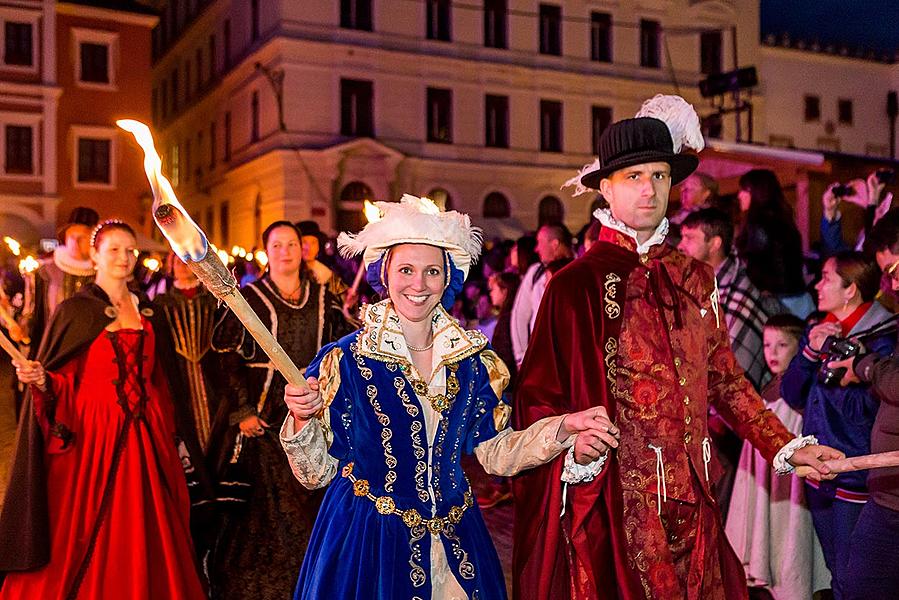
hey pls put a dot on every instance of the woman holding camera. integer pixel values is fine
(841, 417)
(864, 193)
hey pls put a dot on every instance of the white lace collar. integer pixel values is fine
(605, 217)
(71, 265)
(382, 337)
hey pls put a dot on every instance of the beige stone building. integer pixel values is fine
(826, 97)
(490, 105)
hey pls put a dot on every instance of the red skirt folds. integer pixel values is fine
(138, 546)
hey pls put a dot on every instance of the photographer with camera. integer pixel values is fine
(872, 569)
(864, 193)
(841, 417)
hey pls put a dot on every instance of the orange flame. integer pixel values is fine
(185, 237)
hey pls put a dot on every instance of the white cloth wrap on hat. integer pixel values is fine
(415, 220)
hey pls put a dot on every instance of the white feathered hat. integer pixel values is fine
(663, 127)
(414, 220)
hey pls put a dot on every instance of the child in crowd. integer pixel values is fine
(768, 523)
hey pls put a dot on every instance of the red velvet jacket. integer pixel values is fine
(637, 334)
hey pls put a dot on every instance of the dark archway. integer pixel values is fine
(496, 206)
(550, 210)
(350, 215)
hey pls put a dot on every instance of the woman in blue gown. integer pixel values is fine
(391, 410)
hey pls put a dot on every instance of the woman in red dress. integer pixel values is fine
(117, 507)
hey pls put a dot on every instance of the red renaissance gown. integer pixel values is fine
(118, 501)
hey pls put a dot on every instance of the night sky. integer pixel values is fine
(869, 24)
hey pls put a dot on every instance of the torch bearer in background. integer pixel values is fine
(372, 214)
(190, 244)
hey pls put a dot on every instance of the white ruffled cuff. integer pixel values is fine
(575, 473)
(781, 466)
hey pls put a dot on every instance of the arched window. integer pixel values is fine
(441, 198)
(550, 211)
(350, 206)
(496, 206)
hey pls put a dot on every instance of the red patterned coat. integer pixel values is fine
(643, 336)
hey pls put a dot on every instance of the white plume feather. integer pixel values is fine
(679, 116)
(580, 188)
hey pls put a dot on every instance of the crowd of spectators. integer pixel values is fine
(785, 311)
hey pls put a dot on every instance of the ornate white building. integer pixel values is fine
(490, 105)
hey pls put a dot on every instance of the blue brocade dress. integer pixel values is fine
(399, 519)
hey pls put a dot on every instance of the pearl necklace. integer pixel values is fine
(422, 349)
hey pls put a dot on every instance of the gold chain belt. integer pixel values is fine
(385, 505)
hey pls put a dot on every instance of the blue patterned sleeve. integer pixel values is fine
(330, 368)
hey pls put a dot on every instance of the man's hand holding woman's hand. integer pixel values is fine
(304, 404)
(595, 433)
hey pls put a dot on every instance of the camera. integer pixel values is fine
(840, 348)
(841, 190)
(837, 348)
(886, 176)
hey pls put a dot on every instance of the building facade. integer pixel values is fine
(280, 109)
(68, 71)
(28, 115)
(842, 107)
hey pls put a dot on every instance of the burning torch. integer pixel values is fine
(190, 244)
(372, 214)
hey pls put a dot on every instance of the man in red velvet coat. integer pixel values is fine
(634, 326)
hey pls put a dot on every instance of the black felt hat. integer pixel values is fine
(308, 228)
(635, 142)
(80, 215)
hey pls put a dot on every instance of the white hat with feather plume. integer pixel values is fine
(414, 220)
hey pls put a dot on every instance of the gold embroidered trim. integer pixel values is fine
(613, 309)
(381, 336)
(385, 505)
(418, 450)
(496, 371)
(329, 376)
(611, 355)
(386, 435)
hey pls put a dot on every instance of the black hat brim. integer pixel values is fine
(682, 166)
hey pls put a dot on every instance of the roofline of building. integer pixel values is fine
(110, 14)
(831, 51)
(805, 157)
